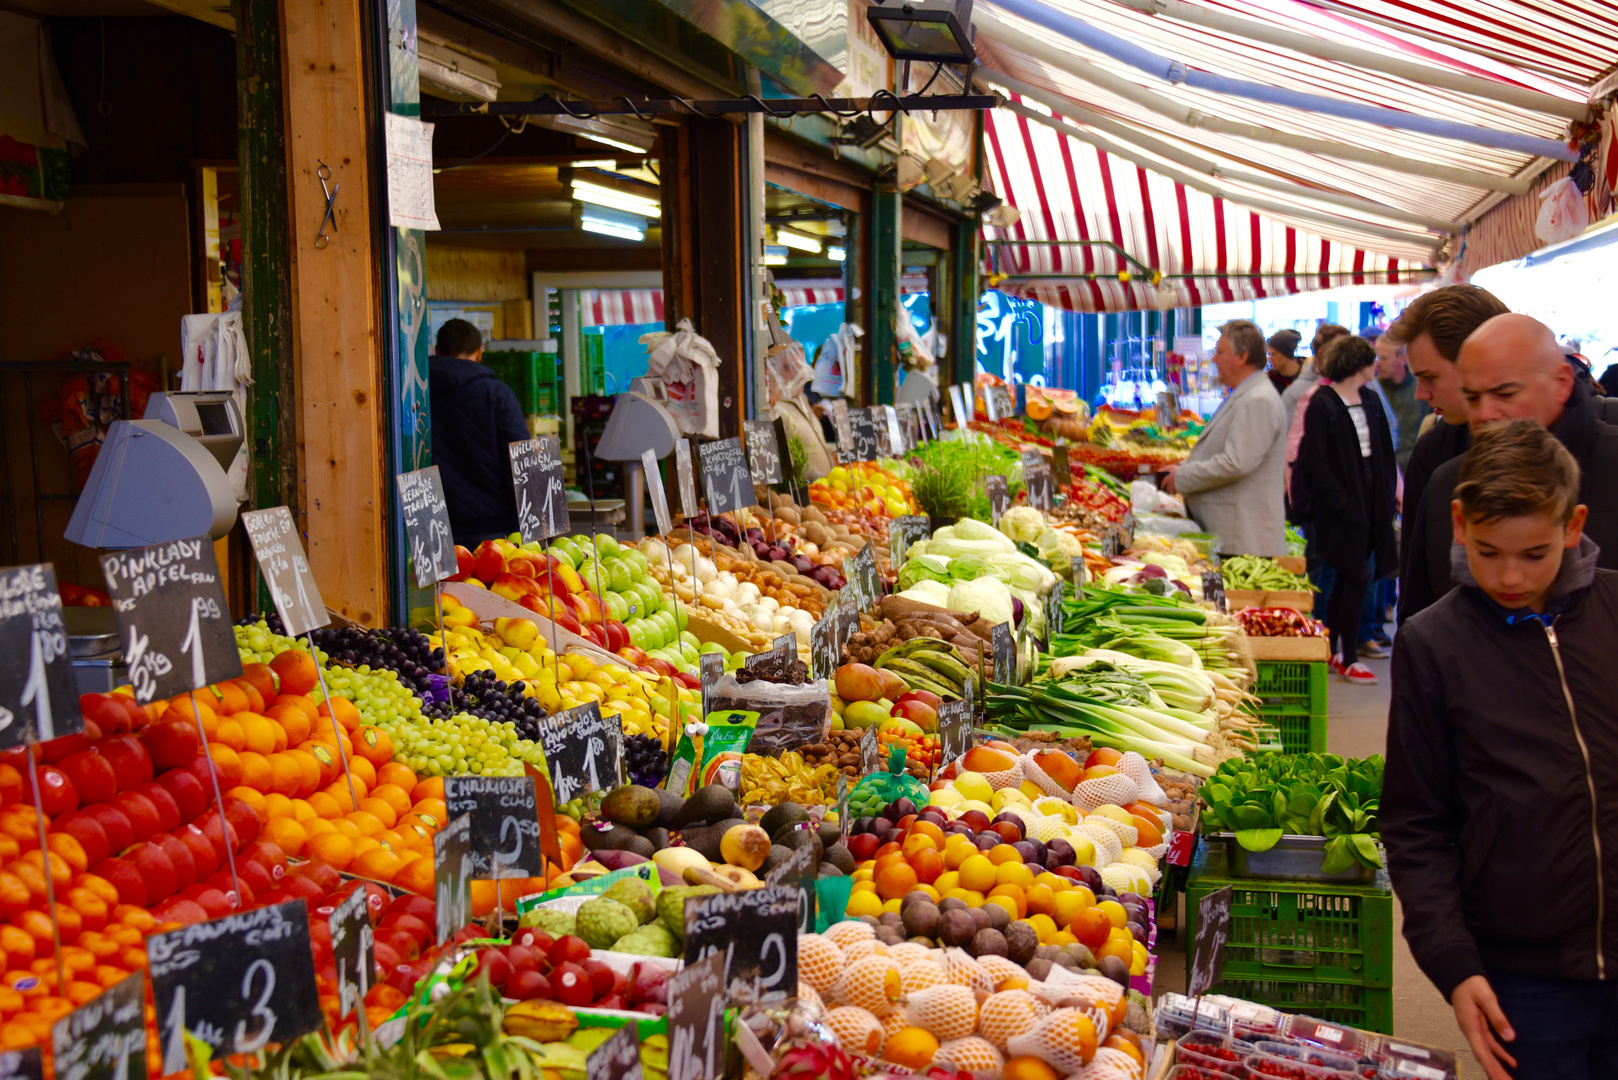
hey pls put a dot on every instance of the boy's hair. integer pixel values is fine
(1517, 469)
(1346, 356)
(1448, 315)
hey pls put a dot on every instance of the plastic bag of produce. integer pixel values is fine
(890, 785)
(789, 717)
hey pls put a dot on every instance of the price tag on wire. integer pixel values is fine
(756, 931)
(279, 553)
(696, 1020)
(105, 1038)
(452, 875)
(584, 750)
(39, 698)
(425, 513)
(172, 617)
(505, 823)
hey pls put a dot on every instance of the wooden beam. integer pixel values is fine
(827, 190)
(335, 306)
(714, 195)
(921, 227)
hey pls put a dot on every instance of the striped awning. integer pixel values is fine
(800, 295)
(619, 307)
(1230, 196)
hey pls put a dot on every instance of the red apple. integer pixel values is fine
(529, 986)
(325, 878)
(386, 959)
(220, 833)
(463, 564)
(179, 909)
(56, 749)
(170, 744)
(633, 653)
(212, 899)
(863, 846)
(187, 792)
(57, 794)
(156, 869)
(498, 966)
(243, 818)
(142, 813)
(221, 881)
(120, 831)
(254, 875)
(917, 711)
(924, 695)
(130, 761)
(203, 855)
(419, 906)
(168, 808)
(91, 774)
(124, 876)
(488, 562)
(88, 832)
(185, 867)
(300, 887)
(411, 925)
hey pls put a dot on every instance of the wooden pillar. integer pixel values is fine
(335, 306)
(883, 277)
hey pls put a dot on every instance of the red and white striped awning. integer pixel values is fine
(796, 294)
(619, 307)
(1208, 250)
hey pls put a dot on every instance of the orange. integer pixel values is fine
(1013, 873)
(398, 774)
(332, 848)
(100, 945)
(895, 880)
(250, 795)
(430, 788)
(325, 755)
(126, 936)
(228, 698)
(37, 925)
(68, 849)
(69, 922)
(91, 908)
(977, 873)
(324, 805)
(108, 975)
(226, 764)
(286, 834)
(1028, 1067)
(100, 886)
(433, 808)
(76, 959)
(393, 841)
(363, 770)
(259, 732)
(80, 992)
(1002, 854)
(17, 944)
(368, 823)
(416, 875)
(310, 772)
(394, 795)
(296, 671)
(431, 824)
(132, 958)
(135, 918)
(910, 1047)
(364, 844)
(276, 805)
(344, 710)
(420, 839)
(374, 745)
(293, 720)
(179, 712)
(347, 828)
(380, 864)
(10, 1002)
(345, 796)
(230, 733)
(302, 812)
(316, 827)
(286, 776)
(256, 771)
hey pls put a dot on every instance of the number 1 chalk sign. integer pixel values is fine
(172, 617)
(38, 697)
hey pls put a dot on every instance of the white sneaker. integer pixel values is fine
(1356, 673)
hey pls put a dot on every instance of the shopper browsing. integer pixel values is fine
(1503, 752)
(1283, 355)
(1232, 480)
(475, 417)
(1343, 484)
(1511, 367)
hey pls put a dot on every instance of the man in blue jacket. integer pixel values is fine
(475, 417)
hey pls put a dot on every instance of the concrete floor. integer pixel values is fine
(1358, 727)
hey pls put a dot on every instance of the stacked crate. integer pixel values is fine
(1293, 700)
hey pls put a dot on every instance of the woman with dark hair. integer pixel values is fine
(1344, 483)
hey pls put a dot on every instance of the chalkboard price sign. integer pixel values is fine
(1054, 615)
(685, 475)
(353, 949)
(172, 617)
(991, 405)
(529, 481)
(848, 621)
(897, 443)
(1000, 404)
(776, 661)
(1208, 946)
(505, 822)
(842, 420)
(279, 551)
(871, 750)
(710, 669)
(954, 730)
(763, 455)
(879, 426)
(104, 1039)
(29, 1064)
(725, 476)
(237, 983)
(452, 875)
(757, 933)
(862, 435)
(426, 522)
(1036, 476)
(797, 872)
(550, 493)
(1109, 543)
(1004, 644)
(823, 647)
(1213, 590)
(904, 531)
(585, 751)
(655, 492)
(1061, 469)
(1168, 410)
(616, 1059)
(999, 496)
(696, 1021)
(39, 699)
(864, 583)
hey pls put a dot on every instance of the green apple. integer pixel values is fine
(618, 575)
(606, 544)
(617, 607)
(686, 636)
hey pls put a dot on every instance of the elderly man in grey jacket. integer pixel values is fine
(1232, 482)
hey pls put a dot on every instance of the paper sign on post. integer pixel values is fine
(279, 551)
(426, 522)
(654, 491)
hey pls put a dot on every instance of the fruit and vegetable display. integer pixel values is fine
(1263, 799)
(1279, 622)
(1260, 574)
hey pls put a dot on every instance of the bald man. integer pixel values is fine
(1511, 367)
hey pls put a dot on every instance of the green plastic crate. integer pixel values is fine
(1291, 688)
(1304, 930)
(1363, 1007)
(1299, 734)
(525, 372)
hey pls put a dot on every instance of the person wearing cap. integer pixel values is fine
(1284, 362)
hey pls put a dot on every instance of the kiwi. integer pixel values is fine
(953, 903)
(1022, 943)
(921, 918)
(957, 928)
(987, 943)
(1114, 969)
(999, 917)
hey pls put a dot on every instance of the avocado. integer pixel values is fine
(631, 805)
(776, 857)
(797, 838)
(787, 813)
(659, 837)
(704, 840)
(612, 838)
(639, 845)
(716, 802)
(670, 803)
(830, 833)
(839, 856)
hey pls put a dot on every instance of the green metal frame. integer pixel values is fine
(883, 275)
(963, 347)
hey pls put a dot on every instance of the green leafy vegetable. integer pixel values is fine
(1261, 799)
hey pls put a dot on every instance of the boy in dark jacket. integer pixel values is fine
(474, 420)
(1498, 806)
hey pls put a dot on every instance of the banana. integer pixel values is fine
(542, 1021)
(919, 674)
(945, 663)
(909, 648)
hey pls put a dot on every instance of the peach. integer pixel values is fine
(859, 682)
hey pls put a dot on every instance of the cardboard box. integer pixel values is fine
(1293, 564)
(1307, 649)
(1238, 599)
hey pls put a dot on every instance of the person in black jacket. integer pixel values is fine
(1344, 483)
(1501, 781)
(1511, 367)
(475, 417)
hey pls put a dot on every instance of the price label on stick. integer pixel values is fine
(1061, 470)
(999, 496)
(584, 750)
(904, 531)
(172, 617)
(1004, 644)
(862, 435)
(725, 476)
(426, 521)
(1213, 590)
(1208, 945)
(763, 455)
(864, 582)
(505, 823)
(843, 422)
(1054, 616)
(452, 875)
(1038, 483)
(353, 950)
(797, 872)
(879, 427)
(1003, 401)
(279, 552)
(710, 668)
(529, 481)
(991, 405)
(39, 697)
(29, 1064)
(686, 476)
(776, 661)
(238, 983)
(783, 443)
(756, 931)
(616, 1059)
(654, 491)
(954, 731)
(550, 492)
(104, 1039)
(823, 646)
(696, 1020)
(896, 436)
(957, 405)
(871, 750)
